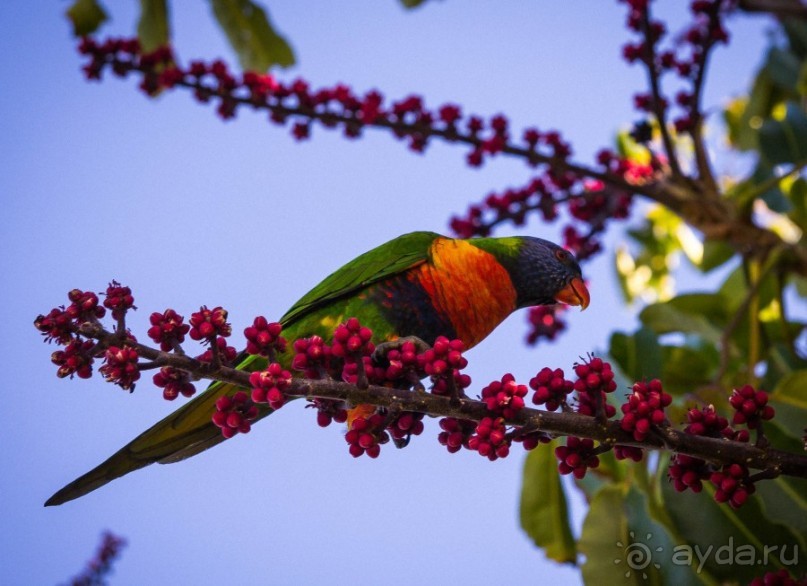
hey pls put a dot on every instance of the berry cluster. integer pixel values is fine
(366, 434)
(442, 363)
(504, 398)
(404, 426)
(208, 324)
(312, 357)
(732, 485)
(403, 364)
(551, 388)
(455, 433)
(167, 329)
(98, 568)
(299, 105)
(268, 385)
(595, 378)
(118, 300)
(644, 409)
(264, 339)
(732, 482)
(779, 578)
(545, 323)
(57, 326)
(577, 456)
(751, 407)
(351, 355)
(686, 57)
(490, 439)
(120, 366)
(84, 306)
(329, 411)
(687, 472)
(75, 359)
(591, 204)
(62, 325)
(353, 346)
(174, 382)
(235, 414)
(219, 350)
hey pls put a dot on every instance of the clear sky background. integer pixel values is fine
(99, 182)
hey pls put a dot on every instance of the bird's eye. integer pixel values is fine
(562, 255)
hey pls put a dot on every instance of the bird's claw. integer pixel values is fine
(379, 355)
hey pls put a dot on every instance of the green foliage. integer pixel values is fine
(772, 123)
(153, 28)
(247, 27)
(252, 35)
(701, 346)
(544, 514)
(87, 16)
(742, 533)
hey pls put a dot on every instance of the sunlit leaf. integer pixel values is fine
(251, 35)
(86, 16)
(745, 116)
(715, 253)
(153, 29)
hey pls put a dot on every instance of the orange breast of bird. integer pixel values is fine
(468, 286)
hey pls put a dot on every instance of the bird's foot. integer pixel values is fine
(379, 356)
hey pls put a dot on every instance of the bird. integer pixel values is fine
(420, 284)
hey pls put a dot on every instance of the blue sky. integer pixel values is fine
(101, 183)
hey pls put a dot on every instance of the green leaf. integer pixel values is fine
(543, 509)
(653, 538)
(696, 313)
(688, 367)
(715, 253)
(86, 16)
(152, 28)
(783, 138)
(411, 3)
(784, 499)
(624, 544)
(783, 67)
(796, 30)
(251, 35)
(727, 543)
(797, 195)
(789, 399)
(744, 116)
(639, 356)
(605, 540)
(609, 471)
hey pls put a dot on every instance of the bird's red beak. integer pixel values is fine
(575, 293)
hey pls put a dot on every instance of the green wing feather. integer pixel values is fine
(392, 258)
(189, 430)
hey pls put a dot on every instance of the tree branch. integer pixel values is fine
(610, 433)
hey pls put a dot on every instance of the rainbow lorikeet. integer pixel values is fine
(419, 284)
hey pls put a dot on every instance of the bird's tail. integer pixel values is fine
(184, 433)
